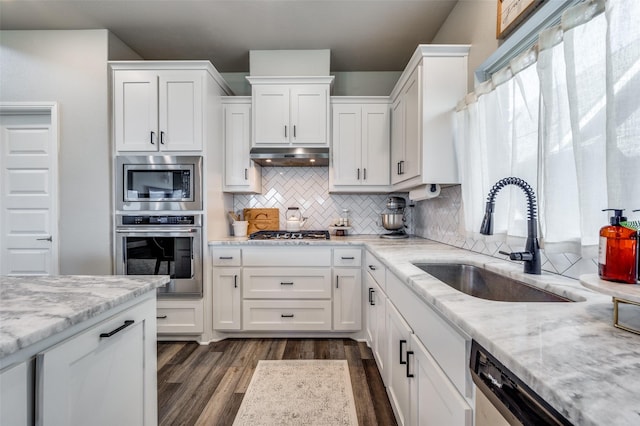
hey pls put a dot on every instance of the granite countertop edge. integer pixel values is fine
(569, 353)
(34, 308)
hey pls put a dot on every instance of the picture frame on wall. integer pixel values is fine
(512, 13)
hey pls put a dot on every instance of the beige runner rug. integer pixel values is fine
(299, 392)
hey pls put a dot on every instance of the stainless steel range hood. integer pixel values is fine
(290, 157)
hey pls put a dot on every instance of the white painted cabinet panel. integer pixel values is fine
(103, 376)
(434, 399)
(240, 173)
(158, 110)
(180, 317)
(399, 342)
(309, 115)
(360, 145)
(376, 328)
(15, 397)
(227, 299)
(286, 283)
(347, 299)
(286, 315)
(271, 115)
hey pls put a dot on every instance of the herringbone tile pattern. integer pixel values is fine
(308, 189)
(437, 219)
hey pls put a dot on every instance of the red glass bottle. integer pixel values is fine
(617, 251)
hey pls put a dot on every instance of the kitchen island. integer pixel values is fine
(568, 353)
(68, 341)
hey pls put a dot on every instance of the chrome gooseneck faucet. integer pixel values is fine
(531, 255)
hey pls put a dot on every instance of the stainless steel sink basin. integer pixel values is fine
(479, 282)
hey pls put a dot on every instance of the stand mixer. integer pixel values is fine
(394, 221)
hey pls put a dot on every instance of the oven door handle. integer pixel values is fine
(155, 230)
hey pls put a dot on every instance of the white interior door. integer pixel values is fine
(28, 198)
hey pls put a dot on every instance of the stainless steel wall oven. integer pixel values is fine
(158, 183)
(162, 245)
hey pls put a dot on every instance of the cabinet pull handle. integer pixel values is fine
(364, 174)
(151, 137)
(161, 317)
(371, 291)
(337, 281)
(126, 324)
(235, 281)
(285, 130)
(245, 174)
(294, 130)
(162, 138)
(287, 283)
(49, 238)
(358, 174)
(409, 375)
(402, 342)
(398, 168)
(372, 267)
(226, 257)
(347, 257)
(286, 315)
(402, 167)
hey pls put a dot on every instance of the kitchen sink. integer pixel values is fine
(484, 284)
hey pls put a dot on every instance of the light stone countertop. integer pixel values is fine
(33, 308)
(569, 353)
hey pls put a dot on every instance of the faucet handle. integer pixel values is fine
(518, 255)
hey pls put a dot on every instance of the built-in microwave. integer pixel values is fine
(158, 183)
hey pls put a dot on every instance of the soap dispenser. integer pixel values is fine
(617, 251)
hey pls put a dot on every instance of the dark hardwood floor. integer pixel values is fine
(204, 385)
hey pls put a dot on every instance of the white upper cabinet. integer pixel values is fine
(423, 103)
(290, 111)
(240, 173)
(159, 109)
(360, 145)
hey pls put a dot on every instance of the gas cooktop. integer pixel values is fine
(287, 235)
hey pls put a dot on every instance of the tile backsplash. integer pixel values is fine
(308, 189)
(437, 219)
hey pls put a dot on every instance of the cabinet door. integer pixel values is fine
(240, 173)
(434, 399)
(226, 298)
(180, 111)
(180, 317)
(397, 139)
(399, 342)
(309, 115)
(375, 144)
(271, 115)
(347, 143)
(94, 380)
(347, 299)
(135, 99)
(376, 329)
(411, 167)
(16, 395)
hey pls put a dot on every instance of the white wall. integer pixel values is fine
(471, 22)
(70, 67)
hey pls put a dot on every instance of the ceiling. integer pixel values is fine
(363, 35)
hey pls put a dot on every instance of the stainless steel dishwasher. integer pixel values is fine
(503, 399)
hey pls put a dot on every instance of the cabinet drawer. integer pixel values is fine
(287, 256)
(286, 315)
(347, 257)
(376, 269)
(180, 317)
(286, 283)
(225, 257)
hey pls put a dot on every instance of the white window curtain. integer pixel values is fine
(569, 126)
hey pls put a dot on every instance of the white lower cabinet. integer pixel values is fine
(105, 375)
(286, 289)
(347, 300)
(399, 342)
(434, 399)
(14, 395)
(427, 377)
(376, 325)
(227, 298)
(180, 317)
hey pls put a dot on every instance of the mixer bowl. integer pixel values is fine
(392, 221)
